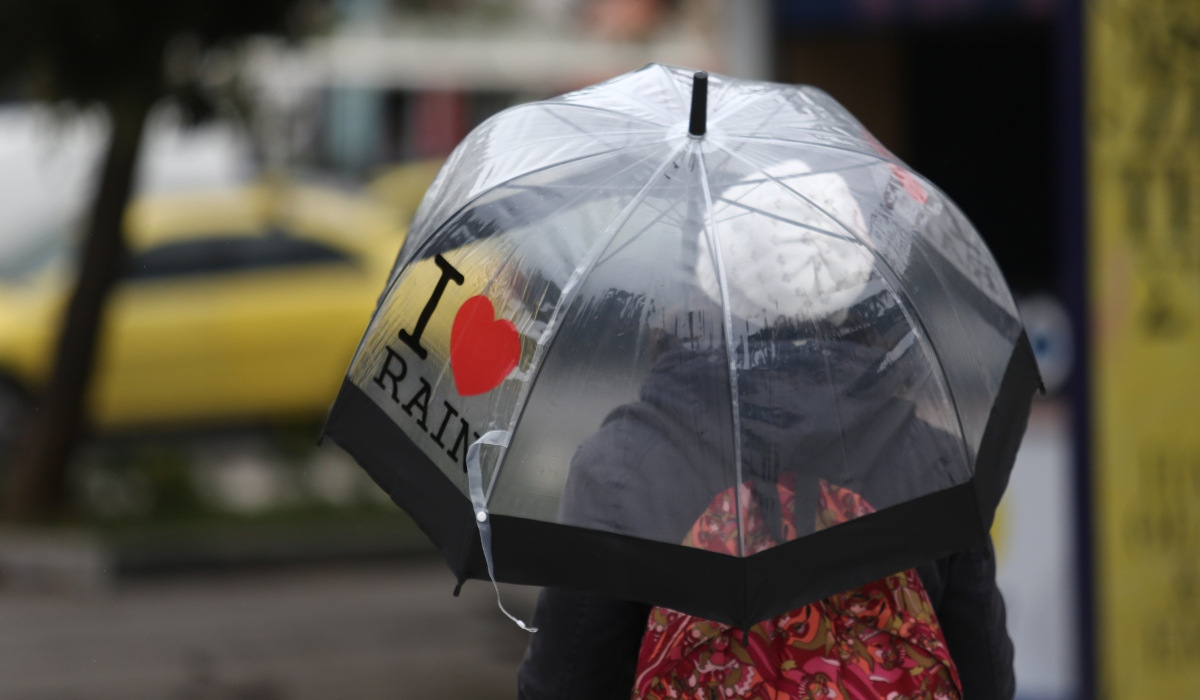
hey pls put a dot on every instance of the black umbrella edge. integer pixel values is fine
(910, 534)
(736, 591)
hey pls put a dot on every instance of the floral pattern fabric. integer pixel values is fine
(878, 642)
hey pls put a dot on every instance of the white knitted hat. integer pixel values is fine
(785, 245)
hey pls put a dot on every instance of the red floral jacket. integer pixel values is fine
(881, 641)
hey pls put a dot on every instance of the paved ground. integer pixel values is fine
(397, 633)
(387, 632)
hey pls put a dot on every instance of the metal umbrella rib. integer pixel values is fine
(716, 361)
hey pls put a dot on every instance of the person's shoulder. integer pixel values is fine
(625, 443)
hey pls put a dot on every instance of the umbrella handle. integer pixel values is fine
(499, 438)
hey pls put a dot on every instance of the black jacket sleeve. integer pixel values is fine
(970, 609)
(586, 647)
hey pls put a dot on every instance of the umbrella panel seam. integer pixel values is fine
(357, 418)
(584, 105)
(816, 144)
(472, 201)
(565, 299)
(730, 350)
(893, 288)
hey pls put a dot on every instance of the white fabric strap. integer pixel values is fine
(499, 438)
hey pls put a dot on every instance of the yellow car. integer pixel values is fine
(402, 187)
(238, 305)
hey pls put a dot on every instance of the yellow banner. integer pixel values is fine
(1144, 175)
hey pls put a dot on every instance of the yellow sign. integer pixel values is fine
(1144, 158)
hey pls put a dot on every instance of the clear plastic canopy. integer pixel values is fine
(746, 323)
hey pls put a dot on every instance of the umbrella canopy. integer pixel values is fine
(656, 337)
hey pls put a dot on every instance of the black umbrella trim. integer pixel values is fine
(735, 591)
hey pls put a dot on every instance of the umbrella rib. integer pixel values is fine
(566, 297)
(669, 74)
(674, 84)
(791, 222)
(837, 413)
(733, 109)
(742, 107)
(568, 137)
(824, 171)
(815, 144)
(717, 96)
(662, 111)
(892, 283)
(730, 350)
(796, 193)
(487, 287)
(385, 297)
(738, 108)
(399, 267)
(594, 108)
(634, 237)
(594, 135)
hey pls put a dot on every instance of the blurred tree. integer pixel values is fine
(125, 56)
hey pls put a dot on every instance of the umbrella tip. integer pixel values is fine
(699, 123)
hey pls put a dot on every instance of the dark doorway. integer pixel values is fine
(970, 106)
(980, 126)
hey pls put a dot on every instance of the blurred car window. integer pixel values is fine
(223, 253)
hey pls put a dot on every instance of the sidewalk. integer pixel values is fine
(365, 632)
(75, 561)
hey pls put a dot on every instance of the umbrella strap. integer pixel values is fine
(479, 505)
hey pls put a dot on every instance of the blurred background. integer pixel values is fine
(235, 179)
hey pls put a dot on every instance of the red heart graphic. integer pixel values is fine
(482, 350)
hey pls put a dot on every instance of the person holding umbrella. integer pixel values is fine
(733, 361)
(892, 636)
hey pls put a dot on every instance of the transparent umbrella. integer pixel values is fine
(726, 358)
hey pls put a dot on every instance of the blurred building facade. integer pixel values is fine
(400, 81)
(1143, 176)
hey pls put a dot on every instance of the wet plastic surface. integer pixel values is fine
(773, 304)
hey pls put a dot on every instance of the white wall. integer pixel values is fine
(1034, 537)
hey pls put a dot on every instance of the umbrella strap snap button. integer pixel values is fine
(498, 438)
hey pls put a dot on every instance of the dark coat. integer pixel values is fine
(586, 647)
(831, 410)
